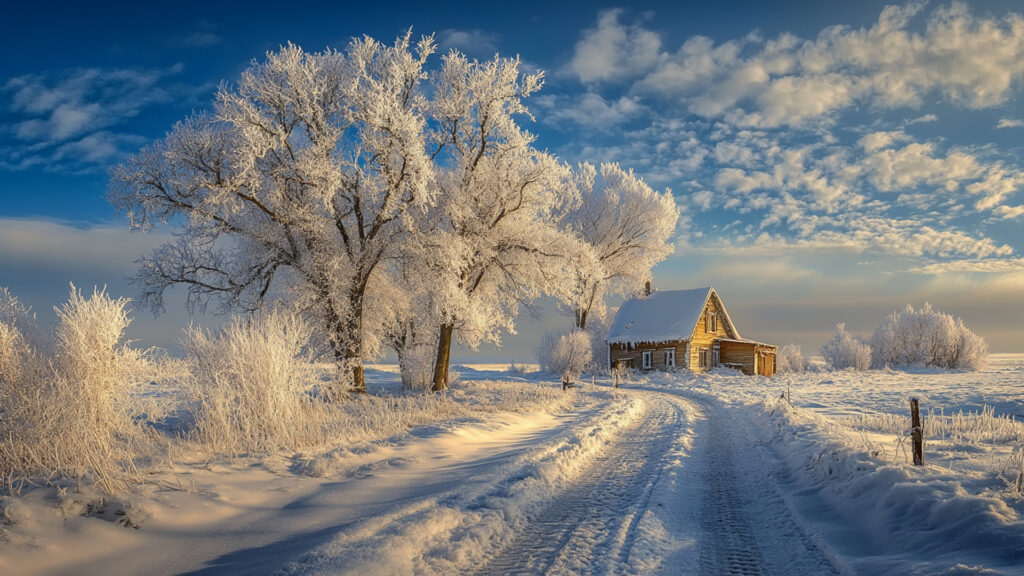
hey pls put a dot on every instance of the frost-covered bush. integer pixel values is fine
(597, 330)
(70, 413)
(846, 351)
(565, 353)
(790, 359)
(416, 364)
(19, 318)
(19, 352)
(927, 337)
(518, 369)
(251, 385)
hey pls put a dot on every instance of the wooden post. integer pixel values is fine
(917, 433)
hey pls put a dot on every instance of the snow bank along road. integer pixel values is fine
(654, 483)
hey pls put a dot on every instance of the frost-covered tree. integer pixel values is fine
(567, 354)
(501, 201)
(404, 309)
(790, 359)
(626, 226)
(846, 351)
(296, 185)
(927, 337)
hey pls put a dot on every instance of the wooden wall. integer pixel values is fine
(703, 338)
(744, 354)
(740, 353)
(621, 352)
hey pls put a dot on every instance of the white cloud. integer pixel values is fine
(474, 42)
(68, 121)
(917, 163)
(703, 199)
(56, 109)
(969, 61)
(97, 148)
(591, 111)
(997, 185)
(614, 52)
(925, 119)
(1010, 123)
(883, 139)
(987, 266)
(859, 234)
(49, 243)
(1010, 212)
(743, 182)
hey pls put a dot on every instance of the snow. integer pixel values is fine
(672, 474)
(661, 316)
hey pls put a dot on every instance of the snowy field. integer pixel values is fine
(672, 474)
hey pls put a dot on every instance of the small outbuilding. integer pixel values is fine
(683, 329)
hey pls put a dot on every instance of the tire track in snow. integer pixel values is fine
(729, 546)
(592, 527)
(748, 526)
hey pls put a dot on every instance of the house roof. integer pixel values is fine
(661, 316)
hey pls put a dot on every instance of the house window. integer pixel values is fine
(648, 359)
(670, 358)
(712, 322)
(704, 357)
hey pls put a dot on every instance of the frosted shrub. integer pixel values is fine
(19, 318)
(791, 360)
(565, 353)
(927, 337)
(546, 349)
(597, 330)
(72, 415)
(518, 369)
(846, 351)
(416, 364)
(251, 383)
(20, 363)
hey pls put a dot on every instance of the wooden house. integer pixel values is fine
(683, 329)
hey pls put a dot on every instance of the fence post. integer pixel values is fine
(916, 432)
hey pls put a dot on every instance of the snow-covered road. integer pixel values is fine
(747, 525)
(673, 484)
(743, 522)
(592, 527)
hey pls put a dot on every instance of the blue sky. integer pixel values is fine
(835, 161)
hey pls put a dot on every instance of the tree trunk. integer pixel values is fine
(358, 382)
(581, 319)
(347, 342)
(444, 352)
(354, 355)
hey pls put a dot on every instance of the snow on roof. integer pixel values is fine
(748, 341)
(659, 317)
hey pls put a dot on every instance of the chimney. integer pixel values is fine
(647, 288)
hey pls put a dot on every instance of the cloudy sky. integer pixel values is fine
(835, 161)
